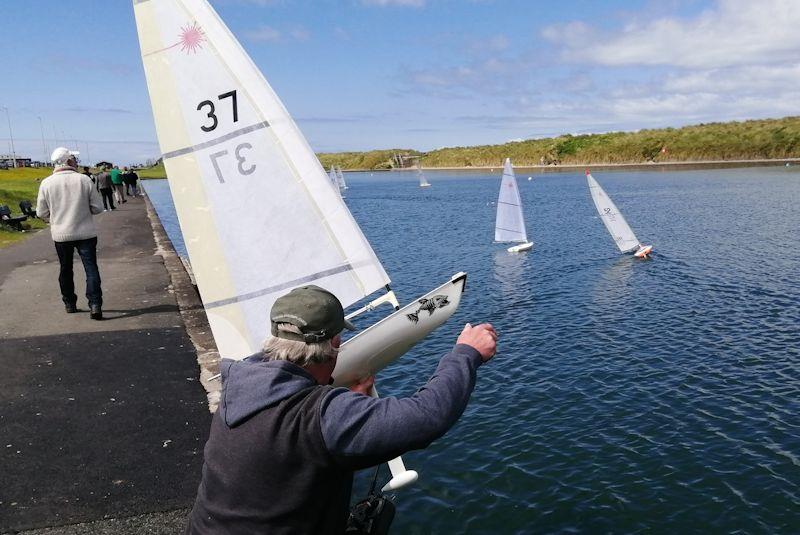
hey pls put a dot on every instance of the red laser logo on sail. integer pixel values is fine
(191, 38)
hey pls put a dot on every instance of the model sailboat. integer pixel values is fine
(335, 182)
(340, 179)
(509, 224)
(423, 181)
(614, 221)
(230, 149)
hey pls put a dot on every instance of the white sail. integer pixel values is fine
(612, 218)
(423, 181)
(340, 179)
(335, 181)
(509, 225)
(255, 207)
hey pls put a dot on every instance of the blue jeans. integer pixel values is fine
(87, 249)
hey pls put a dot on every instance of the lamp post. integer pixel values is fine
(11, 135)
(44, 146)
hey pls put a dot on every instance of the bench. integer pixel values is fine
(7, 219)
(27, 209)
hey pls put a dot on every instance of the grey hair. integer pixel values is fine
(297, 352)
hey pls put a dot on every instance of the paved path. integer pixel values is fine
(99, 421)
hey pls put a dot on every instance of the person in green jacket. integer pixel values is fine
(119, 186)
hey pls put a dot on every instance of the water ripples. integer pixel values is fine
(628, 396)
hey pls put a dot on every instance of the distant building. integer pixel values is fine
(403, 161)
(8, 160)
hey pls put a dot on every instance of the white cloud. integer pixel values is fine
(621, 111)
(491, 76)
(748, 80)
(733, 32)
(268, 34)
(264, 34)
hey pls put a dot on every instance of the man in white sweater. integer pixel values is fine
(68, 200)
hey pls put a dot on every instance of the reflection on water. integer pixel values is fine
(509, 268)
(613, 287)
(627, 396)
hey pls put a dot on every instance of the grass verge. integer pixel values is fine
(18, 185)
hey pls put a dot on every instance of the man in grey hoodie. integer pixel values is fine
(69, 201)
(284, 443)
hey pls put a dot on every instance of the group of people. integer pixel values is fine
(112, 180)
(284, 443)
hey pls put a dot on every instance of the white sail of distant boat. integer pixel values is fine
(335, 181)
(612, 218)
(340, 179)
(256, 209)
(509, 224)
(423, 181)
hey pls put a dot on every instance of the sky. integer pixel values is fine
(422, 74)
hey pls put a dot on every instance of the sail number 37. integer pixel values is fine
(241, 161)
(211, 109)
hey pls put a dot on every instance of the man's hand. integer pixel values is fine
(364, 386)
(482, 337)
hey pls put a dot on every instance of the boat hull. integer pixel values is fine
(382, 343)
(643, 251)
(520, 248)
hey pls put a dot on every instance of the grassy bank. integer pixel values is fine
(17, 185)
(157, 171)
(748, 140)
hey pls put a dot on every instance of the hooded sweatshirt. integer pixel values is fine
(69, 200)
(282, 449)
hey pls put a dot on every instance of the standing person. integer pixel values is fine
(119, 189)
(105, 186)
(126, 179)
(284, 444)
(88, 173)
(134, 181)
(69, 201)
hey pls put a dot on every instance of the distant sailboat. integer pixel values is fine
(510, 225)
(614, 221)
(340, 179)
(335, 181)
(423, 182)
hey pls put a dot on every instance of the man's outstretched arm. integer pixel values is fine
(361, 431)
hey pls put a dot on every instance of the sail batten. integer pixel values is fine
(509, 223)
(255, 207)
(213, 142)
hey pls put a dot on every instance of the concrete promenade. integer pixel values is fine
(102, 424)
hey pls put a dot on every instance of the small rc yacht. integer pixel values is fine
(423, 182)
(509, 225)
(614, 221)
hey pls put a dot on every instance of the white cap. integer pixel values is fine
(62, 155)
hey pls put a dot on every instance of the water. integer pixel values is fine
(627, 396)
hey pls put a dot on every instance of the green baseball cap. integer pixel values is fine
(315, 311)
